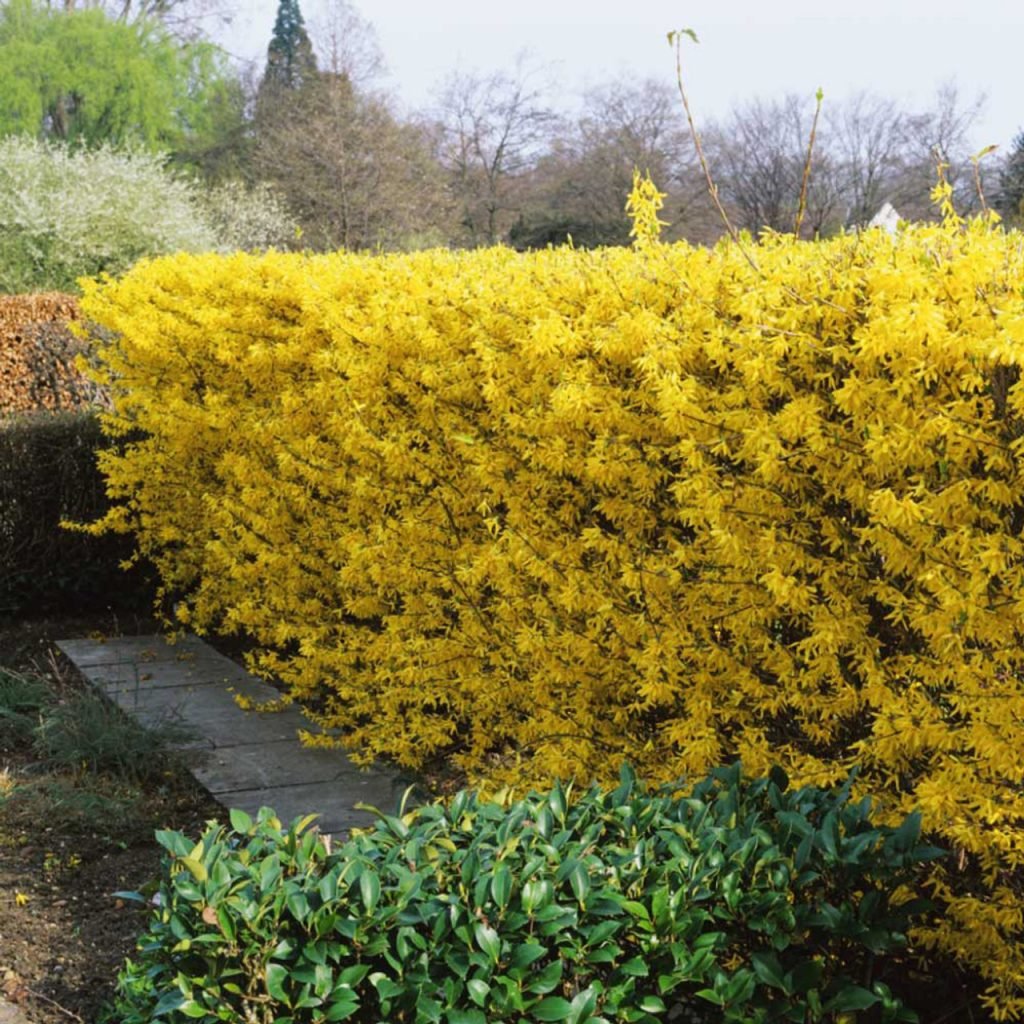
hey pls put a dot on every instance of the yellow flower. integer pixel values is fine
(643, 205)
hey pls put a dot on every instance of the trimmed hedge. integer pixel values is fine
(48, 474)
(37, 355)
(544, 514)
(738, 901)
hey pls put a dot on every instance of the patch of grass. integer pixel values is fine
(93, 806)
(69, 729)
(83, 762)
(23, 700)
(85, 733)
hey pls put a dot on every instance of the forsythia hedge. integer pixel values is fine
(547, 513)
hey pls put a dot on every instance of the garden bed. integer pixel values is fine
(69, 840)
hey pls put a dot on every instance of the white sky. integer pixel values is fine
(898, 48)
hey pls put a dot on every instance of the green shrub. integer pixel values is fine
(48, 474)
(740, 901)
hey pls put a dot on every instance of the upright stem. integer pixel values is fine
(677, 39)
(819, 96)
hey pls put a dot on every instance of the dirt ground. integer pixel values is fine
(68, 843)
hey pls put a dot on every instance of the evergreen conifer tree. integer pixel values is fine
(1010, 199)
(290, 60)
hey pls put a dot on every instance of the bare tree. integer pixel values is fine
(868, 151)
(355, 176)
(579, 187)
(187, 19)
(634, 124)
(493, 130)
(940, 133)
(868, 137)
(346, 44)
(758, 159)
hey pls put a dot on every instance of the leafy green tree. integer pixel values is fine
(81, 77)
(219, 148)
(290, 60)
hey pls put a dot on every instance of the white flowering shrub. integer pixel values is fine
(66, 214)
(248, 217)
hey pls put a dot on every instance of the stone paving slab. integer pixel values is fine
(138, 650)
(335, 802)
(246, 759)
(127, 674)
(211, 714)
(269, 765)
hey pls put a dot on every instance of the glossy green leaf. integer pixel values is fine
(240, 821)
(636, 967)
(552, 1008)
(369, 889)
(488, 940)
(501, 885)
(852, 997)
(275, 977)
(583, 1005)
(526, 953)
(768, 969)
(652, 1004)
(546, 980)
(580, 882)
(478, 991)
(341, 1007)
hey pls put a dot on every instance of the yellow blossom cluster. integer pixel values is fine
(545, 513)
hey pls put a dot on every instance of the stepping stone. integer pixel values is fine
(245, 759)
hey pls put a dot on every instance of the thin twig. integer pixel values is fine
(53, 1002)
(976, 164)
(819, 96)
(676, 39)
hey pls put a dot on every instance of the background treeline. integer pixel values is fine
(126, 127)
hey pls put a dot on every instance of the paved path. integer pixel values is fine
(245, 759)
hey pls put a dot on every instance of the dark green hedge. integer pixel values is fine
(48, 474)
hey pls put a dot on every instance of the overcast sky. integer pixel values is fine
(903, 49)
